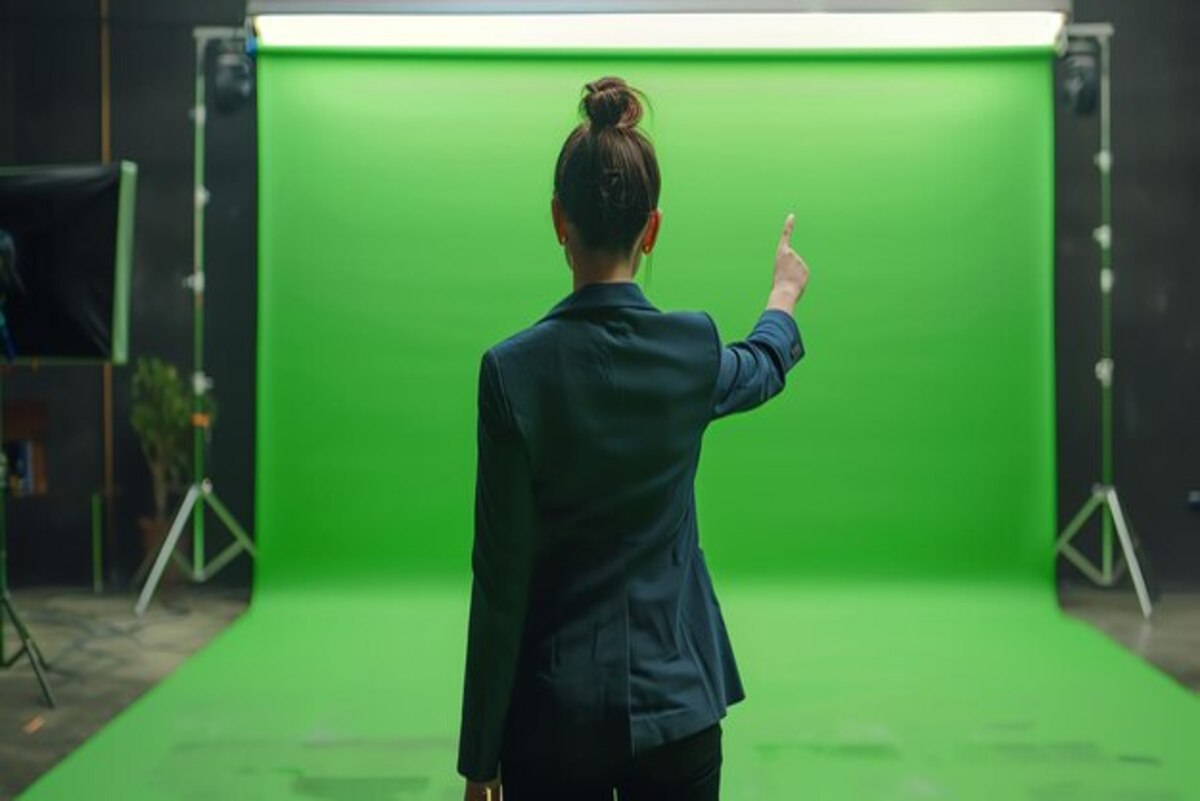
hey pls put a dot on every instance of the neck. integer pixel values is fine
(609, 271)
(585, 280)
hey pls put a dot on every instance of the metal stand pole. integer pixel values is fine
(1104, 499)
(29, 647)
(201, 492)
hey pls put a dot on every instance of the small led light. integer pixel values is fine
(667, 32)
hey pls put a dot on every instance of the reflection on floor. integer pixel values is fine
(104, 658)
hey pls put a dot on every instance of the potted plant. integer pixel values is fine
(160, 416)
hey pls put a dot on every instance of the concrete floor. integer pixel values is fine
(104, 658)
(1170, 641)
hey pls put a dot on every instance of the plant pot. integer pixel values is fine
(153, 532)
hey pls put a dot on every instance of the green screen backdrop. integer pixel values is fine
(881, 535)
(405, 229)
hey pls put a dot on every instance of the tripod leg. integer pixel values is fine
(230, 522)
(1081, 562)
(220, 560)
(1079, 519)
(30, 649)
(32, 645)
(1135, 569)
(1069, 551)
(242, 541)
(168, 547)
(7, 660)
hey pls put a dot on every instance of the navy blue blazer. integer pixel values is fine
(593, 621)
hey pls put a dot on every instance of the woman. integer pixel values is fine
(597, 656)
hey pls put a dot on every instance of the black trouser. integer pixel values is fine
(683, 770)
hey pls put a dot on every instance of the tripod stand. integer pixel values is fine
(29, 647)
(1105, 500)
(193, 503)
(201, 492)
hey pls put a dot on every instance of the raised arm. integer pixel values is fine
(754, 370)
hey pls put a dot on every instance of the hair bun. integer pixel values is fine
(611, 103)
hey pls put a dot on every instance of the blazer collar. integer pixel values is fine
(602, 296)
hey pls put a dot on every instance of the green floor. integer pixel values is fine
(854, 692)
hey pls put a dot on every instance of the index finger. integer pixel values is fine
(785, 239)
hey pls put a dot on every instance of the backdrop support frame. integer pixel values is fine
(1105, 500)
(201, 492)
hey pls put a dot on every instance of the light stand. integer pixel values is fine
(10, 280)
(1104, 500)
(29, 647)
(201, 492)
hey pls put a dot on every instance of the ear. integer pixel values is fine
(653, 223)
(560, 220)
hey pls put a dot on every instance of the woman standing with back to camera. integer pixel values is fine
(597, 657)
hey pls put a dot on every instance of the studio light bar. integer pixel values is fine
(658, 32)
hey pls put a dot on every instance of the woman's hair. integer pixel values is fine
(607, 179)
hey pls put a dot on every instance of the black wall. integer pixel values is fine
(50, 97)
(1156, 258)
(50, 109)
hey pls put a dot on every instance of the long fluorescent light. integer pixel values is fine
(659, 32)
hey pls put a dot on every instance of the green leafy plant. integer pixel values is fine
(161, 416)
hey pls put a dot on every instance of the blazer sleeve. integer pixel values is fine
(501, 562)
(755, 370)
